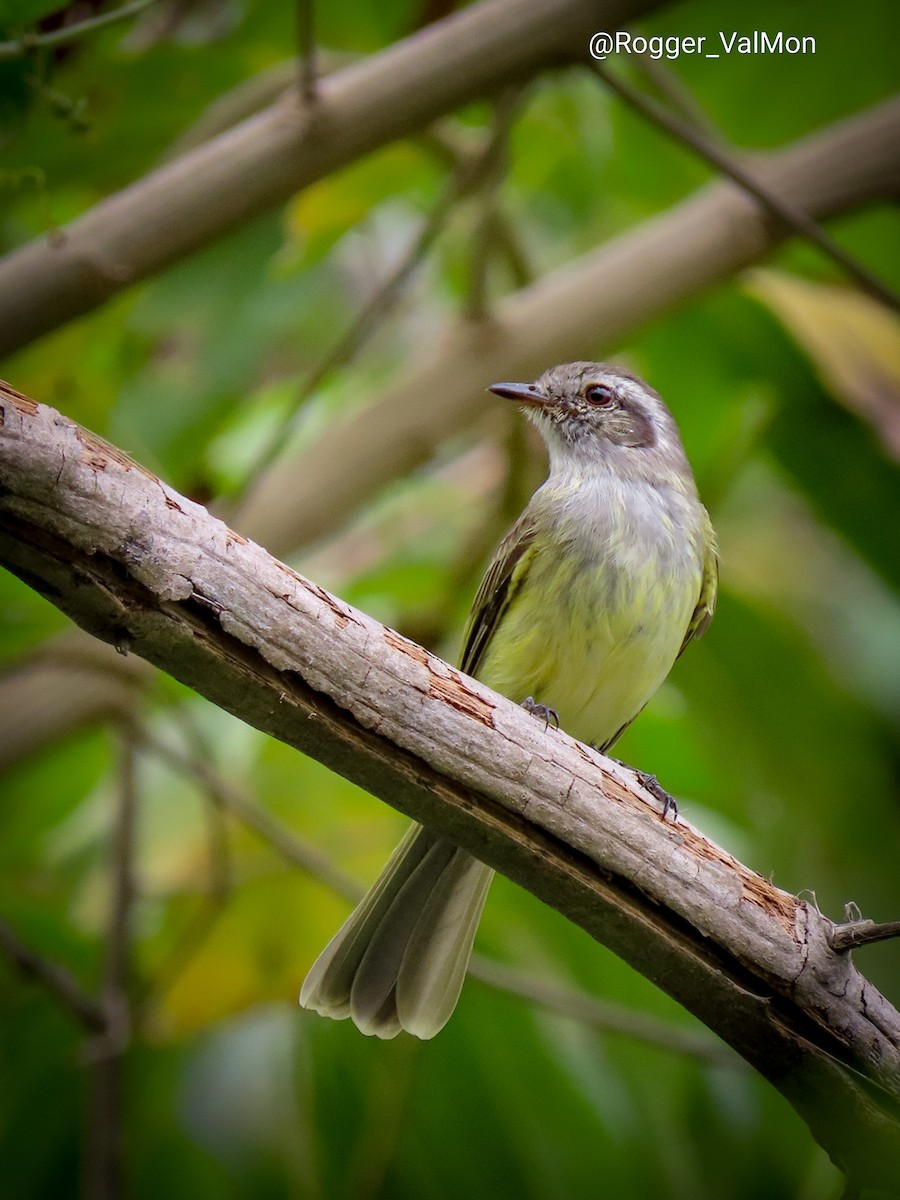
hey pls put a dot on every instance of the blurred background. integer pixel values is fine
(184, 870)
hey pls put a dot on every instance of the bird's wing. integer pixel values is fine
(499, 586)
(706, 603)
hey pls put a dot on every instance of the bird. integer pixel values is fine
(607, 575)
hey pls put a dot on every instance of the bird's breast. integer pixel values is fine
(601, 614)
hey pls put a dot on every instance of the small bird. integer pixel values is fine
(601, 583)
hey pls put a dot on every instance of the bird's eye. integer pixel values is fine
(600, 396)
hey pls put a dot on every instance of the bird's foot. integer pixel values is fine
(542, 712)
(652, 785)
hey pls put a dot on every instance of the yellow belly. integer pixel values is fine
(594, 644)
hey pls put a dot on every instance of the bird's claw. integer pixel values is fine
(541, 711)
(652, 785)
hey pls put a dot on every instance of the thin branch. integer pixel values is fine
(795, 217)
(220, 865)
(470, 560)
(191, 938)
(612, 1018)
(65, 684)
(485, 240)
(123, 894)
(30, 42)
(58, 980)
(860, 933)
(678, 94)
(307, 70)
(468, 176)
(188, 942)
(198, 928)
(512, 250)
(238, 802)
(105, 1171)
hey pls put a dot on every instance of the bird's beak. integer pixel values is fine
(522, 393)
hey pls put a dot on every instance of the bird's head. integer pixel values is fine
(589, 411)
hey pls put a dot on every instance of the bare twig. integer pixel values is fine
(613, 1018)
(105, 1153)
(124, 892)
(513, 252)
(485, 243)
(240, 804)
(192, 937)
(791, 214)
(58, 980)
(859, 933)
(485, 240)
(469, 175)
(306, 50)
(499, 511)
(220, 865)
(187, 943)
(29, 42)
(677, 93)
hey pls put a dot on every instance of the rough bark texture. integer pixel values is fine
(205, 193)
(151, 572)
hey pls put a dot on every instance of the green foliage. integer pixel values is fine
(779, 732)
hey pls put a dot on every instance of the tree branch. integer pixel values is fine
(58, 980)
(585, 307)
(259, 163)
(67, 684)
(861, 933)
(469, 174)
(105, 1169)
(307, 71)
(713, 151)
(139, 565)
(612, 1018)
(53, 38)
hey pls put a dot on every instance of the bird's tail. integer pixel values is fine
(399, 960)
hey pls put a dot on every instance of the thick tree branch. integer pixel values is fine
(140, 566)
(190, 201)
(582, 309)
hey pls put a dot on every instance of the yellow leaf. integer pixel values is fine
(852, 340)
